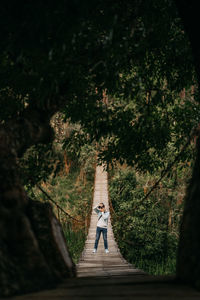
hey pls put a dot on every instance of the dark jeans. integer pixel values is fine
(98, 234)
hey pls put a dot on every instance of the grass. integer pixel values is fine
(74, 194)
(165, 267)
(75, 242)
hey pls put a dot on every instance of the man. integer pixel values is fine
(102, 226)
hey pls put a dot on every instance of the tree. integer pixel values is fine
(61, 57)
(188, 267)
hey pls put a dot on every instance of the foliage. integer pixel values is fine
(68, 182)
(87, 160)
(73, 194)
(78, 147)
(38, 163)
(135, 51)
(63, 55)
(142, 133)
(75, 241)
(147, 230)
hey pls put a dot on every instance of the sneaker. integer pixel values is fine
(107, 251)
(94, 251)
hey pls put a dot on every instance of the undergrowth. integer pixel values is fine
(147, 229)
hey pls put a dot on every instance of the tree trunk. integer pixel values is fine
(188, 262)
(25, 265)
(51, 239)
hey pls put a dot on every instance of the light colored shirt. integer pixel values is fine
(102, 217)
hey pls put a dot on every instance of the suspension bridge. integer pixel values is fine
(108, 275)
(101, 263)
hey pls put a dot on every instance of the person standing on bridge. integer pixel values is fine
(102, 226)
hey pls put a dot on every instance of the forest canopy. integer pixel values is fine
(65, 56)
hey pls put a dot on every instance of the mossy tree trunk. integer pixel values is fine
(24, 264)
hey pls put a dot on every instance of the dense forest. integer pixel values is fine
(124, 78)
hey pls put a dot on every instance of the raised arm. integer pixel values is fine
(96, 209)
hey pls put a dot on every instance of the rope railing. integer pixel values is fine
(59, 208)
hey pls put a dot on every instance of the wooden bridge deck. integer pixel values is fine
(100, 263)
(108, 276)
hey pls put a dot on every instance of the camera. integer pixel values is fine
(100, 207)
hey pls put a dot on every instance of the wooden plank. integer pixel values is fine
(110, 276)
(101, 263)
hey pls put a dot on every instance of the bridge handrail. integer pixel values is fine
(57, 205)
